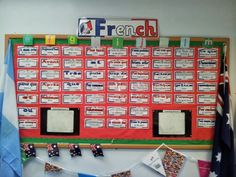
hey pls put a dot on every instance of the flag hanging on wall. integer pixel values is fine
(222, 164)
(10, 152)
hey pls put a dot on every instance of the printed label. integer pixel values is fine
(117, 98)
(50, 86)
(27, 111)
(184, 52)
(95, 51)
(27, 51)
(161, 86)
(184, 64)
(94, 123)
(27, 86)
(184, 75)
(94, 98)
(207, 64)
(207, 75)
(49, 62)
(118, 64)
(139, 86)
(139, 75)
(72, 51)
(139, 123)
(140, 63)
(117, 86)
(116, 111)
(72, 98)
(73, 63)
(27, 62)
(95, 86)
(72, 86)
(162, 75)
(161, 64)
(27, 74)
(95, 63)
(206, 98)
(207, 53)
(161, 98)
(95, 75)
(184, 99)
(138, 52)
(49, 50)
(49, 74)
(206, 110)
(118, 75)
(27, 98)
(117, 123)
(184, 87)
(49, 99)
(206, 87)
(117, 52)
(205, 123)
(162, 52)
(28, 123)
(72, 74)
(139, 111)
(139, 98)
(94, 110)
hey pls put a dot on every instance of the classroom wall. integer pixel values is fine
(210, 18)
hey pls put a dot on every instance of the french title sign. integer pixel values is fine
(99, 27)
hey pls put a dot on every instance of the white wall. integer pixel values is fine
(210, 18)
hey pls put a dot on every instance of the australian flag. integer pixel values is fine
(222, 163)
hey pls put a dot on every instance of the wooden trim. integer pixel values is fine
(127, 146)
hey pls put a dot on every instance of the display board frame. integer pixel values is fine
(123, 143)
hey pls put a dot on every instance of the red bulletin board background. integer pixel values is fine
(127, 132)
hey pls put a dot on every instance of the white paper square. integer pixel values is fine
(171, 123)
(61, 121)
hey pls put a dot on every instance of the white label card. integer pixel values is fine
(95, 51)
(72, 50)
(28, 123)
(117, 86)
(27, 86)
(162, 75)
(207, 53)
(95, 75)
(72, 98)
(205, 123)
(50, 86)
(94, 86)
(184, 64)
(27, 74)
(140, 63)
(27, 62)
(161, 98)
(94, 123)
(49, 50)
(138, 123)
(117, 52)
(49, 99)
(116, 111)
(161, 64)
(95, 63)
(27, 50)
(50, 74)
(27, 111)
(27, 98)
(139, 111)
(117, 123)
(184, 87)
(72, 74)
(184, 99)
(162, 52)
(117, 63)
(207, 75)
(206, 86)
(94, 110)
(139, 98)
(72, 86)
(117, 98)
(73, 63)
(94, 98)
(49, 62)
(140, 86)
(117, 75)
(139, 75)
(206, 110)
(207, 64)
(206, 98)
(184, 75)
(161, 86)
(140, 52)
(184, 52)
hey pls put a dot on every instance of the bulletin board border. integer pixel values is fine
(122, 143)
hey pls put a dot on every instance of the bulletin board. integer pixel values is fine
(130, 97)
